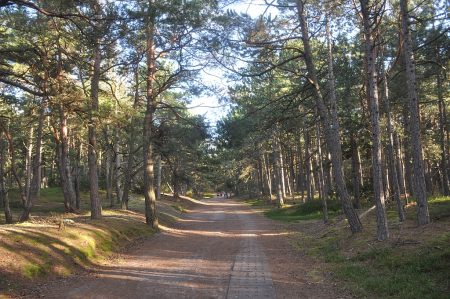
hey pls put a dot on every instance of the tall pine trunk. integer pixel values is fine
(109, 169)
(372, 94)
(443, 141)
(64, 162)
(308, 170)
(158, 176)
(3, 192)
(356, 170)
(278, 173)
(323, 195)
(35, 173)
(96, 206)
(127, 177)
(393, 177)
(149, 190)
(330, 125)
(420, 192)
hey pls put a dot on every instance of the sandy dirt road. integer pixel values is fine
(221, 249)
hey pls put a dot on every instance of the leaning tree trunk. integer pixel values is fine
(330, 125)
(35, 173)
(372, 93)
(149, 190)
(420, 192)
(96, 206)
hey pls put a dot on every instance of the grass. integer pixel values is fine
(394, 272)
(292, 212)
(305, 211)
(414, 263)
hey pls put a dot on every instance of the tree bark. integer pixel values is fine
(127, 177)
(268, 176)
(420, 192)
(443, 142)
(77, 176)
(117, 166)
(35, 170)
(64, 165)
(399, 164)
(3, 192)
(158, 176)
(29, 162)
(356, 170)
(278, 173)
(96, 206)
(393, 177)
(309, 178)
(330, 125)
(149, 192)
(283, 176)
(109, 170)
(372, 93)
(323, 195)
(300, 174)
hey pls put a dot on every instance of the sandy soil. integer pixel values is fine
(221, 249)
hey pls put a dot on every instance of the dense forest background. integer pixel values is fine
(331, 100)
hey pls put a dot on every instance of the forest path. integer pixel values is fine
(221, 249)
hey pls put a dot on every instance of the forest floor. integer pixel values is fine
(213, 248)
(413, 263)
(223, 248)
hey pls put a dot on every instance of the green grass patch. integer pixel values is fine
(439, 207)
(394, 272)
(403, 267)
(305, 211)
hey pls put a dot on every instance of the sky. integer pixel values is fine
(209, 105)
